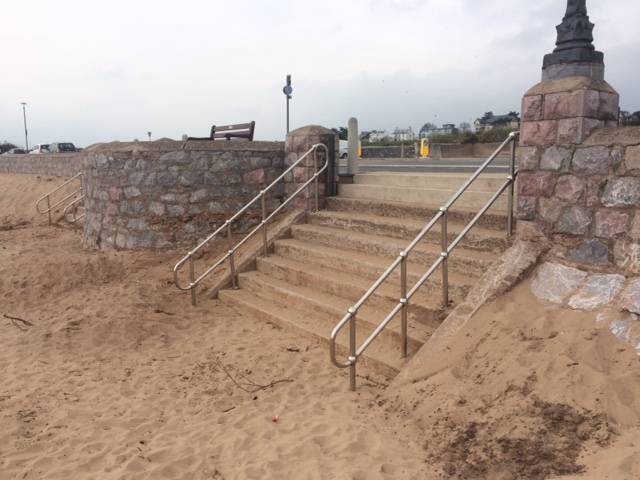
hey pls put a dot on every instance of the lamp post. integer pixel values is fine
(24, 116)
(288, 90)
(574, 53)
(149, 135)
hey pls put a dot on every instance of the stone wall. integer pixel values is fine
(168, 194)
(437, 150)
(394, 151)
(55, 164)
(586, 196)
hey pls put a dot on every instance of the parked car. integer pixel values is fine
(40, 148)
(62, 147)
(15, 151)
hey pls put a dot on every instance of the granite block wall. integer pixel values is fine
(173, 194)
(55, 164)
(586, 196)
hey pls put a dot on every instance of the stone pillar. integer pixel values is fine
(354, 138)
(298, 142)
(561, 179)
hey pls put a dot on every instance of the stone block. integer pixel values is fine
(191, 178)
(167, 179)
(634, 231)
(555, 158)
(610, 223)
(554, 282)
(632, 158)
(543, 133)
(255, 177)
(526, 208)
(114, 194)
(597, 291)
(591, 160)
(570, 188)
(622, 192)
(199, 195)
(626, 254)
(536, 184)
(550, 210)
(175, 210)
(532, 108)
(591, 252)
(529, 158)
(609, 106)
(593, 191)
(135, 178)
(562, 105)
(574, 131)
(132, 192)
(156, 208)
(630, 298)
(574, 221)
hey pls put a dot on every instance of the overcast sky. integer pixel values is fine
(112, 70)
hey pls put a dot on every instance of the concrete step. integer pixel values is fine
(478, 238)
(379, 357)
(470, 201)
(425, 309)
(333, 309)
(370, 267)
(417, 211)
(464, 261)
(439, 181)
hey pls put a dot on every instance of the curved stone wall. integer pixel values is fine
(168, 194)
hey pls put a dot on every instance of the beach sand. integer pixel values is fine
(117, 376)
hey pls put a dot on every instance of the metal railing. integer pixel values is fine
(47, 198)
(442, 261)
(262, 198)
(72, 209)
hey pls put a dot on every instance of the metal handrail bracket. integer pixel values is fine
(262, 226)
(442, 261)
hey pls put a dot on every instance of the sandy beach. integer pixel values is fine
(108, 372)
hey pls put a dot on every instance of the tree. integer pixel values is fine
(464, 127)
(6, 146)
(343, 133)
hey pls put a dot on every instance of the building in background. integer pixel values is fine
(377, 136)
(404, 135)
(429, 130)
(489, 121)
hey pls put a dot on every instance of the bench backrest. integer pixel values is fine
(227, 132)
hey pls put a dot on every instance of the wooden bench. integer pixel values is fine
(227, 132)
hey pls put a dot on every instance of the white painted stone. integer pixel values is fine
(596, 291)
(554, 282)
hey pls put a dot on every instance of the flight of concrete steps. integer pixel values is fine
(308, 281)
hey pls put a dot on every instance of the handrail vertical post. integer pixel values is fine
(403, 300)
(352, 349)
(512, 177)
(49, 209)
(315, 173)
(232, 268)
(229, 230)
(265, 245)
(445, 257)
(192, 279)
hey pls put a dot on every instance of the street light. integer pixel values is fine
(288, 90)
(24, 116)
(149, 135)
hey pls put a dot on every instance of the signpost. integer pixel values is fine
(288, 90)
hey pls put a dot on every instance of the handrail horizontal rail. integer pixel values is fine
(44, 197)
(195, 281)
(401, 260)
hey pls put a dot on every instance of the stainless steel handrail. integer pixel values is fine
(405, 296)
(73, 207)
(262, 197)
(47, 197)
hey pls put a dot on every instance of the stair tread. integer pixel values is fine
(314, 325)
(375, 260)
(417, 331)
(425, 246)
(414, 223)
